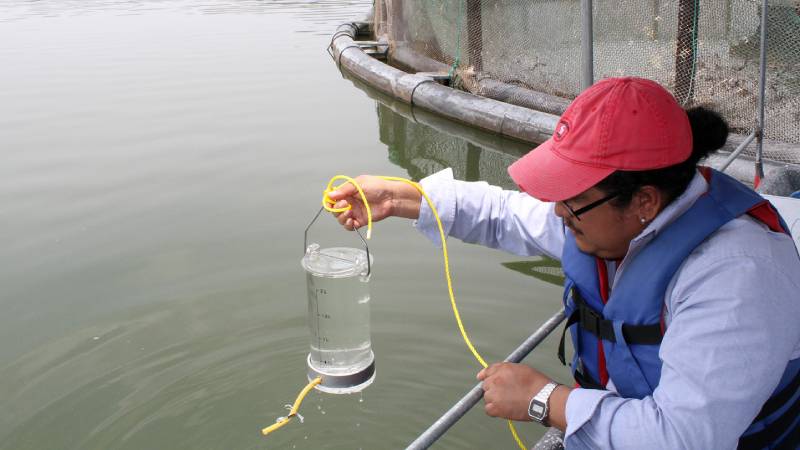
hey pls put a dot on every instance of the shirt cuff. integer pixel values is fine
(581, 407)
(441, 190)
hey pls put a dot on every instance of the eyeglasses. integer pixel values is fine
(577, 212)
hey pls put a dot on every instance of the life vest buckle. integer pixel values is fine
(590, 320)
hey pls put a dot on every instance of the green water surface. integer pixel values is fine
(160, 161)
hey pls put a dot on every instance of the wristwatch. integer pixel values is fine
(538, 409)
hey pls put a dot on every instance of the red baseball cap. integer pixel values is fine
(617, 124)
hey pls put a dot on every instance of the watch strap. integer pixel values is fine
(542, 399)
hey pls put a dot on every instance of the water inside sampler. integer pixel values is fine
(338, 310)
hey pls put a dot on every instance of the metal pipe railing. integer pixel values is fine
(735, 153)
(457, 411)
(587, 45)
(762, 81)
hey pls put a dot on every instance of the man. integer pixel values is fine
(682, 284)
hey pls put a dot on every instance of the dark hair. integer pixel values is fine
(709, 133)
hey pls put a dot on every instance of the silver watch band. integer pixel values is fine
(539, 408)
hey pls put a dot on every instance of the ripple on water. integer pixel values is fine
(171, 366)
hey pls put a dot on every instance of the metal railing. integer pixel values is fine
(458, 410)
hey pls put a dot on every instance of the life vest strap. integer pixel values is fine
(778, 400)
(585, 380)
(571, 320)
(779, 425)
(769, 435)
(593, 322)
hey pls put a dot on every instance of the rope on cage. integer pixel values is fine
(452, 74)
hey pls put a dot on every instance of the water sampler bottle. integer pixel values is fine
(338, 317)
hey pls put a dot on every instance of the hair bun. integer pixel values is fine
(709, 131)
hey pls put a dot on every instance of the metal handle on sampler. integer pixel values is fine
(366, 247)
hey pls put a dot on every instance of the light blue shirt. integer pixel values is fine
(733, 317)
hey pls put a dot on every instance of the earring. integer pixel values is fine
(642, 220)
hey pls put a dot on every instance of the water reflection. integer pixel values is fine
(422, 150)
(423, 143)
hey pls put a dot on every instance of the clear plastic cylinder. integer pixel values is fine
(338, 318)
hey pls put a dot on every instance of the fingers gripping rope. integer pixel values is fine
(329, 205)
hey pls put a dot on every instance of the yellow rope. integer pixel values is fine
(292, 412)
(327, 203)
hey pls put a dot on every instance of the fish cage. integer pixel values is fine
(512, 67)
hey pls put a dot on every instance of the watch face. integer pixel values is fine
(536, 410)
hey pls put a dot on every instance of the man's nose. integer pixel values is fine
(561, 210)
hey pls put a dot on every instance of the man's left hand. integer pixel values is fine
(508, 389)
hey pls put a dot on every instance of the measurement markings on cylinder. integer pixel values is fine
(320, 292)
(317, 292)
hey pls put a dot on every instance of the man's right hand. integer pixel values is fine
(386, 198)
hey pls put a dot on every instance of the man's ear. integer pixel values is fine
(647, 202)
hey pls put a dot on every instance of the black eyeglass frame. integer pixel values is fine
(577, 212)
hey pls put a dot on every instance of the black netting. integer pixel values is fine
(704, 52)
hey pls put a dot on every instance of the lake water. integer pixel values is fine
(160, 161)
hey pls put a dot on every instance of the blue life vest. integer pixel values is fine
(619, 335)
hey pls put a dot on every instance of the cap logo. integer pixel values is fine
(561, 130)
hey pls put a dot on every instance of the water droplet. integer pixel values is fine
(319, 407)
(305, 437)
(323, 412)
(280, 419)
(96, 338)
(358, 425)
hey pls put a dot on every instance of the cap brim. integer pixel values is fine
(545, 175)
